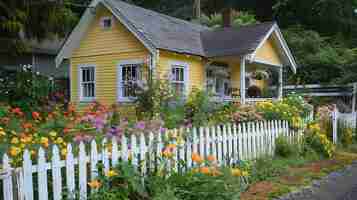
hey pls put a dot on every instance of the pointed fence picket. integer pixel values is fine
(227, 143)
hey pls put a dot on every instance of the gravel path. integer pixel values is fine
(341, 185)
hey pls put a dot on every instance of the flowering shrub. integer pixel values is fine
(292, 108)
(60, 127)
(317, 140)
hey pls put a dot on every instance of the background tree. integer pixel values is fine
(41, 19)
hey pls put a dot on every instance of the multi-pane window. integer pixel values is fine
(178, 79)
(130, 75)
(87, 82)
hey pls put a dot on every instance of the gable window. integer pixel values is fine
(106, 22)
(179, 79)
(87, 83)
(130, 76)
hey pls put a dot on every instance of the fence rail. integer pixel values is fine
(227, 143)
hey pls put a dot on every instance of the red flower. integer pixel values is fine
(35, 115)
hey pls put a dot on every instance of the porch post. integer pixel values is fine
(242, 80)
(280, 92)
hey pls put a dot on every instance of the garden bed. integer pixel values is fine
(298, 175)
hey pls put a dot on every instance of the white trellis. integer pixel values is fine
(227, 143)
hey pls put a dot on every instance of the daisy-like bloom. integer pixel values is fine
(53, 133)
(2, 132)
(245, 173)
(95, 184)
(14, 140)
(111, 173)
(196, 158)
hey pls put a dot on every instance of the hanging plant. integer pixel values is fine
(260, 75)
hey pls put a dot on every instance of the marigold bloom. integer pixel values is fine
(205, 170)
(196, 158)
(95, 184)
(167, 153)
(64, 152)
(236, 172)
(111, 173)
(44, 141)
(211, 158)
(14, 151)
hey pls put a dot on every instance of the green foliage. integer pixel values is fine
(37, 20)
(284, 148)
(321, 60)
(25, 89)
(216, 20)
(152, 97)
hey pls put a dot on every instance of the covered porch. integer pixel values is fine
(241, 80)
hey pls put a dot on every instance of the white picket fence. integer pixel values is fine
(50, 179)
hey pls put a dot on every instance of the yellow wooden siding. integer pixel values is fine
(98, 41)
(196, 67)
(106, 74)
(268, 53)
(105, 49)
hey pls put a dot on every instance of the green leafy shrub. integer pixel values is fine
(25, 89)
(284, 148)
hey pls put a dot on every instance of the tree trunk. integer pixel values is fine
(197, 9)
(227, 17)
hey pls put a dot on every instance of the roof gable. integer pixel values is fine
(158, 31)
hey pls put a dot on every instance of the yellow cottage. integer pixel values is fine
(116, 43)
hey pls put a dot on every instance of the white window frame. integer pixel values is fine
(80, 82)
(121, 64)
(102, 19)
(186, 75)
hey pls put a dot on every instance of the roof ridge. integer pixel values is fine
(163, 15)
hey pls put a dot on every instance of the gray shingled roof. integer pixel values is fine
(169, 33)
(233, 41)
(163, 31)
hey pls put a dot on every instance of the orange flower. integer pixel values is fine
(35, 115)
(27, 125)
(205, 170)
(17, 111)
(196, 158)
(167, 153)
(211, 158)
(95, 184)
(171, 147)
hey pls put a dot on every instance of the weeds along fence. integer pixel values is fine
(340, 122)
(51, 176)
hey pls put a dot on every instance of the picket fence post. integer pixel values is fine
(334, 124)
(7, 183)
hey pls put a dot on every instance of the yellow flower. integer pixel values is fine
(2, 132)
(44, 141)
(14, 140)
(53, 134)
(64, 152)
(59, 140)
(14, 151)
(111, 173)
(236, 172)
(245, 173)
(95, 184)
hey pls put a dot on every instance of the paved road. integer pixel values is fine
(340, 185)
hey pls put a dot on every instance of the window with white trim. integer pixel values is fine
(106, 22)
(87, 83)
(130, 76)
(179, 79)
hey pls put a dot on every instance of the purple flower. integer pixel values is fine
(162, 130)
(99, 123)
(78, 138)
(140, 125)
